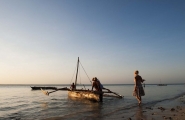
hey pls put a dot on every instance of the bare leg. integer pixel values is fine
(139, 99)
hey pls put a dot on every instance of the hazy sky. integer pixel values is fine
(40, 40)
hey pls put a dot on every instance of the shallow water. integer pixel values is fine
(20, 102)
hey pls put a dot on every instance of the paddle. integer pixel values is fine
(45, 92)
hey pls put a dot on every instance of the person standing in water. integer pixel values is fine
(101, 86)
(138, 88)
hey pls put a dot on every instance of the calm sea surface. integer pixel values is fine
(20, 102)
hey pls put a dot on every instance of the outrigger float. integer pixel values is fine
(84, 94)
(42, 87)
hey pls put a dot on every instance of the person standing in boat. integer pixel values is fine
(72, 86)
(138, 89)
(97, 86)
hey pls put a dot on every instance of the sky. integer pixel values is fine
(41, 40)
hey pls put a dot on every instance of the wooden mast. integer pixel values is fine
(77, 72)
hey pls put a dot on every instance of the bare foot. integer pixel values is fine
(139, 104)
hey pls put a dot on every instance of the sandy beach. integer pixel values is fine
(169, 109)
(173, 109)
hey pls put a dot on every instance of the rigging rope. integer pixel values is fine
(79, 75)
(73, 75)
(85, 72)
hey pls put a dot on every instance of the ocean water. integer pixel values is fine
(19, 102)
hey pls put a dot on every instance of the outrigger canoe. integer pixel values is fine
(84, 94)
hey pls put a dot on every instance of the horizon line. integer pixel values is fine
(103, 84)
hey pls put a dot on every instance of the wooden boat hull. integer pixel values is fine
(84, 95)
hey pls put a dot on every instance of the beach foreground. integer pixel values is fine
(158, 104)
(173, 109)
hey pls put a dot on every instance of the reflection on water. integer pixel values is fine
(44, 105)
(88, 105)
(139, 114)
(21, 102)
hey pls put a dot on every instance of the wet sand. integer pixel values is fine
(173, 109)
